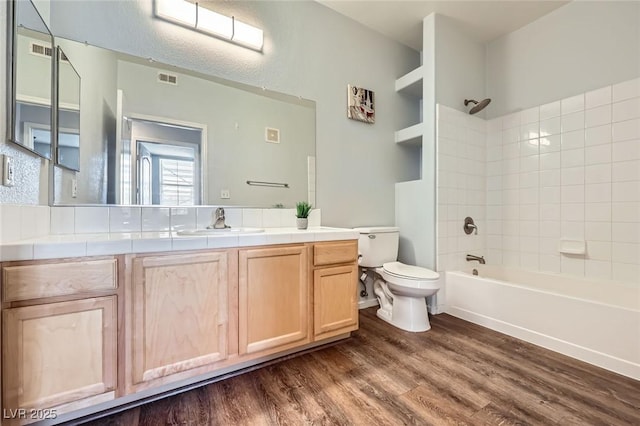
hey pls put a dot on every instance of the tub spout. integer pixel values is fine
(471, 258)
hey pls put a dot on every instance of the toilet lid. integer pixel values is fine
(409, 271)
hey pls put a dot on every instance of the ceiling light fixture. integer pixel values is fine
(194, 16)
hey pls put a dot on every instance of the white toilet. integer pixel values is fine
(401, 289)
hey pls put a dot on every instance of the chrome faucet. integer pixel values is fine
(218, 220)
(471, 258)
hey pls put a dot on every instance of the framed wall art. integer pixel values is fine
(360, 104)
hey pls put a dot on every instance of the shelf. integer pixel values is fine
(410, 135)
(411, 83)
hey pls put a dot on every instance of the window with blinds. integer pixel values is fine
(177, 184)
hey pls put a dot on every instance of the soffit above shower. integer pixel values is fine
(483, 20)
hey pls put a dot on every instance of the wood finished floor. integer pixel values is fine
(457, 373)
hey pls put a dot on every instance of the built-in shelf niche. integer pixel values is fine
(411, 84)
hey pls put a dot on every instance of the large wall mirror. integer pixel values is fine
(154, 134)
(68, 113)
(30, 75)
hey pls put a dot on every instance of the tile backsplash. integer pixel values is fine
(19, 222)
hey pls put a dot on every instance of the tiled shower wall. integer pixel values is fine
(567, 170)
(461, 186)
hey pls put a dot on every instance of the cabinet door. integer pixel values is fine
(335, 305)
(273, 298)
(59, 353)
(179, 315)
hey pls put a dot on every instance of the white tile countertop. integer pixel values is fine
(78, 245)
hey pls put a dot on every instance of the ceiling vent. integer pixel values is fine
(168, 78)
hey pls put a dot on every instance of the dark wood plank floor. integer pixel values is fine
(457, 373)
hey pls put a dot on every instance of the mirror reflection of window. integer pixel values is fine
(168, 163)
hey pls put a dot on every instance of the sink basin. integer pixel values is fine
(224, 231)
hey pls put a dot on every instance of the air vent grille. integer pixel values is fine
(272, 135)
(168, 78)
(40, 49)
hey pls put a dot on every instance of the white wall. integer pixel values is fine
(460, 65)
(310, 51)
(577, 48)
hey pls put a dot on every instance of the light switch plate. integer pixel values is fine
(8, 171)
(225, 194)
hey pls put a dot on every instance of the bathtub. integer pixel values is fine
(595, 321)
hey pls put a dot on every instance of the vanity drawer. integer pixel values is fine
(332, 253)
(37, 280)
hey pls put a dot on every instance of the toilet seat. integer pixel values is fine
(408, 276)
(410, 272)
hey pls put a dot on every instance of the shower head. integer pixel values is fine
(479, 106)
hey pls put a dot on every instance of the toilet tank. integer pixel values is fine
(378, 245)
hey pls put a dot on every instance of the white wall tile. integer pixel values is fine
(597, 192)
(571, 122)
(572, 158)
(529, 131)
(573, 193)
(626, 110)
(626, 130)
(626, 171)
(625, 212)
(550, 127)
(625, 151)
(598, 116)
(91, 219)
(597, 135)
(626, 232)
(597, 154)
(252, 218)
(549, 263)
(62, 220)
(597, 173)
(549, 110)
(572, 104)
(572, 212)
(234, 217)
(597, 231)
(183, 218)
(573, 140)
(598, 97)
(625, 252)
(572, 265)
(599, 250)
(550, 212)
(511, 121)
(626, 272)
(125, 219)
(572, 230)
(271, 218)
(549, 177)
(530, 115)
(573, 175)
(550, 229)
(156, 219)
(625, 191)
(27, 223)
(598, 212)
(626, 89)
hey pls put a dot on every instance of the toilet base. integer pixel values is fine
(407, 313)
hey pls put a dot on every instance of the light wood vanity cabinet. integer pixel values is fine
(177, 315)
(335, 281)
(59, 336)
(274, 295)
(82, 331)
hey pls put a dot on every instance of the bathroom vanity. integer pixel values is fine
(82, 334)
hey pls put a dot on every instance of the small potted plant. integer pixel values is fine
(302, 213)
